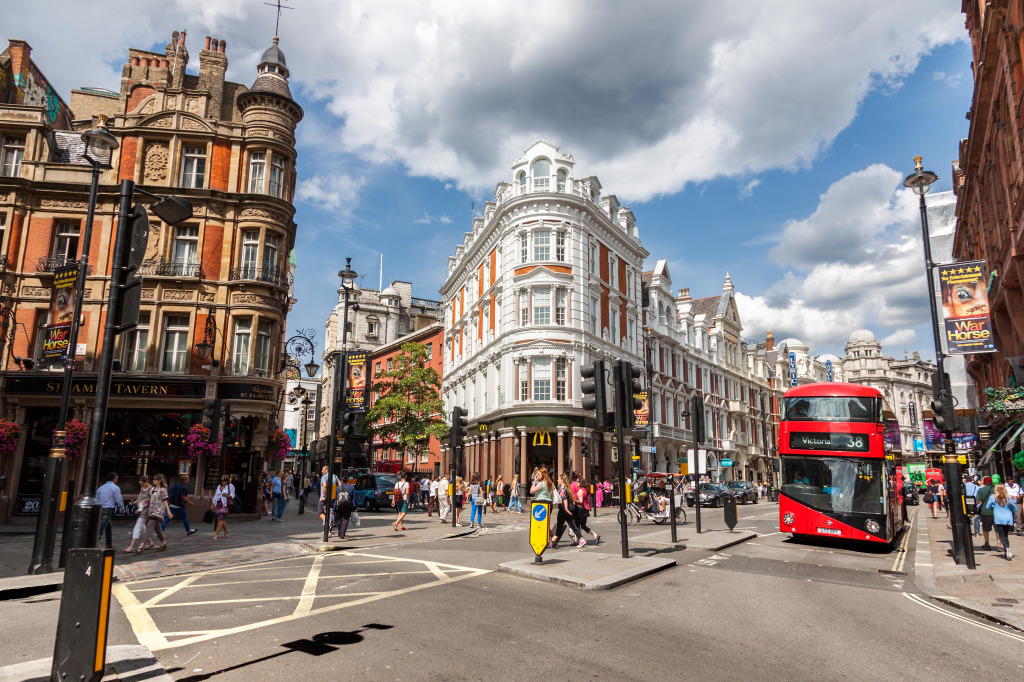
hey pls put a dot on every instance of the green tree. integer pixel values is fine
(408, 407)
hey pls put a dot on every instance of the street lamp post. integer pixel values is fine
(348, 278)
(99, 144)
(648, 370)
(963, 548)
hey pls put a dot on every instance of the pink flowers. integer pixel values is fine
(9, 434)
(75, 440)
(199, 441)
(279, 446)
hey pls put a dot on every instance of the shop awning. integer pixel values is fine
(989, 454)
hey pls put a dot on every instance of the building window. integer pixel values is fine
(524, 384)
(560, 246)
(593, 257)
(562, 176)
(193, 166)
(594, 321)
(391, 364)
(261, 358)
(560, 309)
(524, 309)
(613, 328)
(257, 171)
(561, 378)
(372, 327)
(542, 306)
(541, 175)
(542, 378)
(632, 340)
(522, 182)
(524, 247)
(65, 245)
(3, 226)
(430, 351)
(175, 343)
(240, 351)
(276, 177)
(250, 253)
(271, 248)
(376, 369)
(133, 356)
(12, 154)
(613, 272)
(186, 249)
(542, 245)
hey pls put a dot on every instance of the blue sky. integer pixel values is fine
(766, 140)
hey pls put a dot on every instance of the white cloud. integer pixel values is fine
(899, 338)
(333, 192)
(855, 262)
(427, 219)
(748, 189)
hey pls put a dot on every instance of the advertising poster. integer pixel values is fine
(968, 328)
(891, 435)
(916, 472)
(62, 312)
(642, 417)
(936, 440)
(355, 384)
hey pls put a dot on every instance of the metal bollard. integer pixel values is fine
(80, 652)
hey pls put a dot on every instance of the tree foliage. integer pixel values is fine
(408, 406)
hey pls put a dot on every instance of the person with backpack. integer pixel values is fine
(343, 507)
(1002, 508)
(400, 501)
(985, 511)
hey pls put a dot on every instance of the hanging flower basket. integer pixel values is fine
(74, 441)
(279, 446)
(200, 441)
(10, 432)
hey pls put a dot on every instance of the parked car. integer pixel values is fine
(743, 491)
(374, 491)
(711, 495)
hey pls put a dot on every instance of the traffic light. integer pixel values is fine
(944, 415)
(211, 415)
(348, 424)
(631, 387)
(458, 429)
(697, 417)
(230, 426)
(594, 392)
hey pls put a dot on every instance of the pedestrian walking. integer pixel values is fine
(566, 511)
(221, 503)
(984, 511)
(499, 493)
(325, 491)
(1002, 512)
(432, 500)
(266, 494)
(943, 499)
(157, 511)
(178, 504)
(931, 498)
(141, 514)
(582, 497)
(514, 505)
(343, 508)
(457, 498)
(110, 499)
(425, 492)
(476, 502)
(400, 501)
(444, 500)
(1015, 493)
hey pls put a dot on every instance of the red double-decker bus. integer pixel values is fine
(840, 447)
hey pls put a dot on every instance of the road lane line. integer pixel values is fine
(901, 555)
(171, 590)
(309, 587)
(142, 623)
(1003, 631)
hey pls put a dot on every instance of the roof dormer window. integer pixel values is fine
(541, 175)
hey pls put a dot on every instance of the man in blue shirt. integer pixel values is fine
(178, 502)
(277, 503)
(109, 497)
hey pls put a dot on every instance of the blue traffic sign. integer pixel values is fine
(540, 512)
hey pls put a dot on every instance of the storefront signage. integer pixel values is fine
(642, 416)
(542, 438)
(792, 369)
(135, 388)
(828, 370)
(245, 390)
(965, 308)
(727, 462)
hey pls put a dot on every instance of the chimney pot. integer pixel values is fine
(223, 45)
(164, 63)
(134, 61)
(216, 45)
(182, 42)
(144, 61)
(207, 42)
(174, 37)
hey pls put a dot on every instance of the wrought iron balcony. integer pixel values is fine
(171, 269)
(249, 273)
(51, 263)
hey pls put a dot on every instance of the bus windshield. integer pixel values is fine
(835, 485)
(825, 409)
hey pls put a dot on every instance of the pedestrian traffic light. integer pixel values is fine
(944, 416)
(631, 389)
(211, 415)
(697, 418)
(230, 429)
(593, 389)
(348, 424)
(459, 428)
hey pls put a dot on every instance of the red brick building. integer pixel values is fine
(223, 276)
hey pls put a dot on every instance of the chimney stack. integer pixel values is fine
(213, 63)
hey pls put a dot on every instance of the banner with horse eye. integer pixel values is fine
(62, 313)
(968, 327)
(355, 385)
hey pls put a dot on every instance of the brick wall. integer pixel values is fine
(220, 166)
(39, 241)
(14, 242)
(135, 97)
(129, 152)
(213, 250)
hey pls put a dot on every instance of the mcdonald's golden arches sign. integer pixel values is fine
(542, 438)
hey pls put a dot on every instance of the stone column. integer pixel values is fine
(524, 464)
(560, 457)
(506, 444)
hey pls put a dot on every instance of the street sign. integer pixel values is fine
(539, 527)
(648, 448)
(727, 462)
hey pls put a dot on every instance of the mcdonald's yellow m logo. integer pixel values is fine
(542, 438)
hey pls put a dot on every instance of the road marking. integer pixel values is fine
(901, 552)
(149, 634)
(985, 626)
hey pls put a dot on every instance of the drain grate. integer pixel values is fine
(1007, 600)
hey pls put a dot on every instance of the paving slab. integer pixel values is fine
(22, 586)
(124, 662)
(712, 540)
(587, 570)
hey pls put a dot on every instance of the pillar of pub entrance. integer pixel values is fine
(507, 449)
(524, 464)
(494, 461)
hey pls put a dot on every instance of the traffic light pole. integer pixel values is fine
(622, 403)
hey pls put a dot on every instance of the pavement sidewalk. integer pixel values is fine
(994, 589)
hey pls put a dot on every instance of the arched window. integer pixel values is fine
(562, 175)
(541, 175)
(522, 182)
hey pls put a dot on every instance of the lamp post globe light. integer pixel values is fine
(99, 144)
(963, 548)
(348, 277)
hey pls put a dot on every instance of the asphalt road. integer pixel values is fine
(770, 608)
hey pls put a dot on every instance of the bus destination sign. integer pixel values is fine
(849, 442)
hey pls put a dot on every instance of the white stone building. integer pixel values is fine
(547, 280)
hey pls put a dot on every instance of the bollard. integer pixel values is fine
(540, 528)
(729, 507)
(80, 652)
